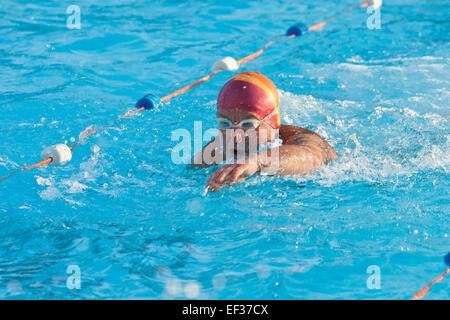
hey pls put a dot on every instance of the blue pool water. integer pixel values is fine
(139, 226)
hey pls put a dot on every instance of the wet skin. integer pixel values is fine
(302, 152)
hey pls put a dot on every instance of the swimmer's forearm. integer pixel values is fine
(210, 155)
(197, 161)
(290, 160)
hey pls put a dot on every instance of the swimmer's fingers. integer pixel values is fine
(214, 176)
(213, 183)
(243, 171)
(239, 174)
(225, 174)
(235, 174)
(212, 186)
(241, 179)
(229, 174)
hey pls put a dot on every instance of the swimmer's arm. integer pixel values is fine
(302, 152)
(211, 154)
(283, 160)
(290, 160)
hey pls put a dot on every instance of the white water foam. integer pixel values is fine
(360, 158)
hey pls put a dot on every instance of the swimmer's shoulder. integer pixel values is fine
(301, 136)
(288, 131)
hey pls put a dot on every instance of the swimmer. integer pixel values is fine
(247, 107)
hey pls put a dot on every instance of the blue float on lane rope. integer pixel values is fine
(149, 101)
(297, 29)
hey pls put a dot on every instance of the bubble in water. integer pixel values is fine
(14, 287)
(262, 271)
(51, 193)
(76, 187)
(95, 149)
(43, 181)
(192, 289)
(173, 287)
(194, 206)
(219, 281)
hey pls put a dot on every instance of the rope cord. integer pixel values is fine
(421, 293)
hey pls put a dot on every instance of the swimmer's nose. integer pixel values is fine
(238, 136)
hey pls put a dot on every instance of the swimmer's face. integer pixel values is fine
(245, 125)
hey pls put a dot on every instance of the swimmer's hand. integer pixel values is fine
(230, 174)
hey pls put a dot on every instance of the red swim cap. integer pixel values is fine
(253, 92)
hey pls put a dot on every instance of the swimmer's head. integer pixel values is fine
(248, 103)
(250, 94)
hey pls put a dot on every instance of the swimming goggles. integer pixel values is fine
(246, 124)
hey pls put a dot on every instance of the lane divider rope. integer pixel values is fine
(422, 292)
(60, 154)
